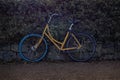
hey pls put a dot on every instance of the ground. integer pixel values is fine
(105, 70)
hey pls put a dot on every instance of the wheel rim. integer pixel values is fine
(33, 56)
(84, 53)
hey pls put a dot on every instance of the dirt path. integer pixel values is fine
(107, 70)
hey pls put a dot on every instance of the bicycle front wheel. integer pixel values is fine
(87, 50)
(26, 51)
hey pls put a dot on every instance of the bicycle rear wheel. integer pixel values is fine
(87, 49)
(25, 48)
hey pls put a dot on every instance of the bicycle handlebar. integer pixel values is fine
(73, 21)
(55, 14)
(51, 16)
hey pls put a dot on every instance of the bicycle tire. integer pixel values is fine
(25, 45)
(80, 54)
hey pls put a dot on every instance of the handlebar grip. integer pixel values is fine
(55, 14)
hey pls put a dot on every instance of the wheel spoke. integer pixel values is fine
(87, 48)
(25, 48)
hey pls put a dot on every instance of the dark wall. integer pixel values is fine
(101, 18)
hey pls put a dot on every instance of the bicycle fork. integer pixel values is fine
(40, 40)
(38, 43)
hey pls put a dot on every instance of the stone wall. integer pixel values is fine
(97, 17)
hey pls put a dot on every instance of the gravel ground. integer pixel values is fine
(105, 70)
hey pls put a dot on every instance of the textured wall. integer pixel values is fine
(98, 17)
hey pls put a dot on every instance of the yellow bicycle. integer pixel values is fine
(79, 46)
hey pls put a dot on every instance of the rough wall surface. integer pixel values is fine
(101, 18)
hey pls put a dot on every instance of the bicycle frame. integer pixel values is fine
(58, 44)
